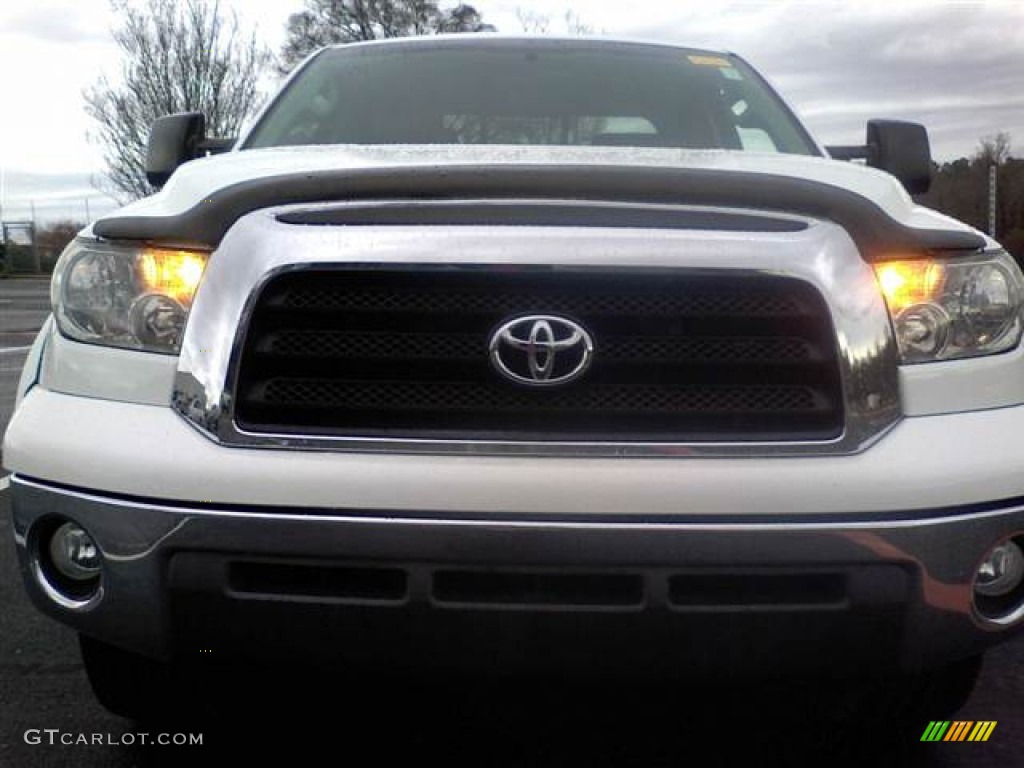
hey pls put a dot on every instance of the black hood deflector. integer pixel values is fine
(877, 235)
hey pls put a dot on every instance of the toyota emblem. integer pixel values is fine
(541, 350)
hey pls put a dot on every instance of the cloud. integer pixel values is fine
(52, 196)
(52, 24)
(47, 185)
(959, 68)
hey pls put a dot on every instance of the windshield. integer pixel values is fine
(530, 93)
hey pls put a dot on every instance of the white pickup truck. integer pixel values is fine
(487, 353)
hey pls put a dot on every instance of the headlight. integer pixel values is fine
(125, 296)
(943, 309)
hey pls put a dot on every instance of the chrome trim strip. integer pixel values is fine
(390, 520)
(58, 597)
(1007, 619)
(259, 247)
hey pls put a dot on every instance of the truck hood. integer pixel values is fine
(200, 179)
(205, 197)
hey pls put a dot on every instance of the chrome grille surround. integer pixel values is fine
(259, 247)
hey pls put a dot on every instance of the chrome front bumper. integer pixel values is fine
(739, 596)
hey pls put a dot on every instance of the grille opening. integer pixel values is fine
(540, 589)
(403, 353)
(318, 581)
(761, 590)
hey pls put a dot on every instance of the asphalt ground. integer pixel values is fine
(290, 716)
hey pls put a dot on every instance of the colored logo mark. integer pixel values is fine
(959, 730)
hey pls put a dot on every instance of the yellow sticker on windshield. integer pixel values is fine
(709, 61)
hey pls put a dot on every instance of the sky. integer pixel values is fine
(957, 67)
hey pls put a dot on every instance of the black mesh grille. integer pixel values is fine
(677, 356)
(729, 304)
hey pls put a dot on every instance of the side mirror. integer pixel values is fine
(898, 147)
(903, 150)
(173, 140)
(176, 139)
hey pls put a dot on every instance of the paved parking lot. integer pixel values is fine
(43, 686)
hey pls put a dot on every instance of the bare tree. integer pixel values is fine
(575, 25)
(533, 23)
(540, 23)
(994, 150)
(328, 22)
(53, 236)
(178, 56)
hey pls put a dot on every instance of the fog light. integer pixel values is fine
(1001, 571)
(74, 554)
